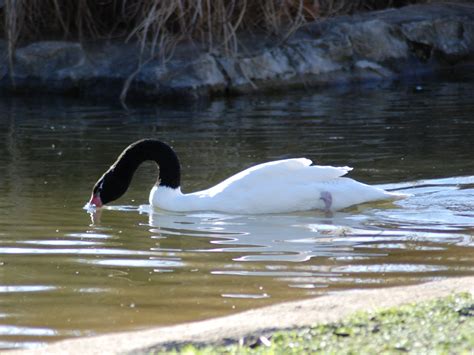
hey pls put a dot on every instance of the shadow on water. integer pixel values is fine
(65, 276)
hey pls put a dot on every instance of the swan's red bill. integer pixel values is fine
(96, 201)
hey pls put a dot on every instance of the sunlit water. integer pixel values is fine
(63, 275)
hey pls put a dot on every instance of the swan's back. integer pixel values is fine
(278, 175)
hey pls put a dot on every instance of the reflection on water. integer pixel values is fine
(63, 275)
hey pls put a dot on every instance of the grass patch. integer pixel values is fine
(443, 326)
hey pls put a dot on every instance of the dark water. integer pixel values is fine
(63, 276)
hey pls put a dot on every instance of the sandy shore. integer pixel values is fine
(324, 309)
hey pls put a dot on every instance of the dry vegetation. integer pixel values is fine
(160, 24)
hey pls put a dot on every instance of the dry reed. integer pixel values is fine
(156, 24)
(159, 25)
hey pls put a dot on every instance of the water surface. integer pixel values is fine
(61, 275)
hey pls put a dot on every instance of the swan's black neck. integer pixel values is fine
(149, 149)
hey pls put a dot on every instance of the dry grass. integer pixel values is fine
(159, 24)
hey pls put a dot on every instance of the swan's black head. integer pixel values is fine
(114, 183)
(108, 188)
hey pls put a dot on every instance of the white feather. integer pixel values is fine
(275, 187)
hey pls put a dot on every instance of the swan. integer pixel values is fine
(280, 186)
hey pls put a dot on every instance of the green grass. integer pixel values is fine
(443, 326)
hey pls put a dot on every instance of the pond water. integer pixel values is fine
(63, 275)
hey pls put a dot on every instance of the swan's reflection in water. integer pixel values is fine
(295, 238)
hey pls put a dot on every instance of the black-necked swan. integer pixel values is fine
(280, 186)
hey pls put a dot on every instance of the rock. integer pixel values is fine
(48, 59)
(380, 45)
(376, 69)
(450, 38)
(376, 40)
(190, 78)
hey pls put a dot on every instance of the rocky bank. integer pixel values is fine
(382, 45)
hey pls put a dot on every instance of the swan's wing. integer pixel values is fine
(326, 172)
(281, 174)
(297, 168)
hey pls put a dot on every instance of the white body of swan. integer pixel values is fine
(275, 187)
